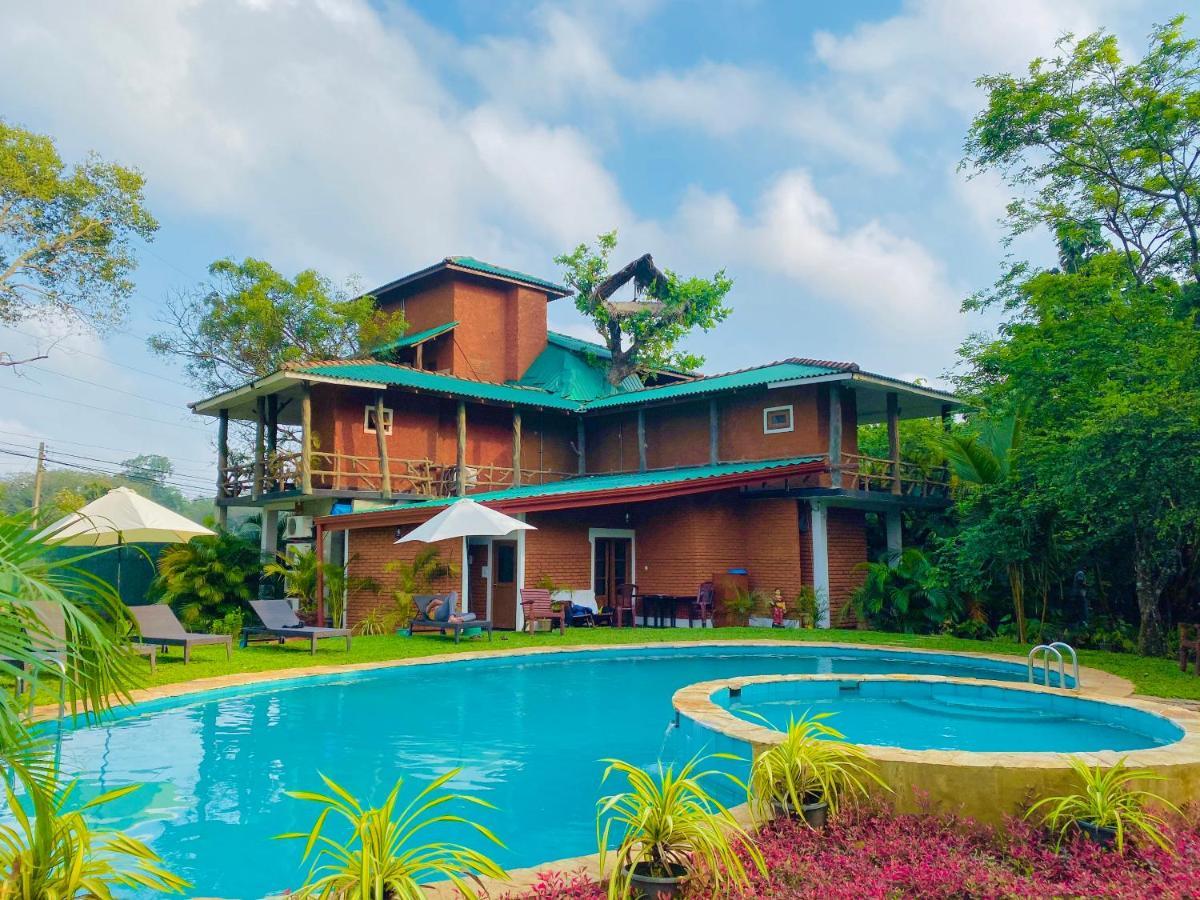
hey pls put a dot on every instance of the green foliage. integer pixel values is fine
(382, 859)
(908, 594)
(813, 763)
(1101, 151)
(55, 852)
(669, 822)
(298, 571)
(207, 578)
(1107, 798)
(65, 490)
(250, 320)
(646, 340)
(805, 607)
(65, 232)
(743, 602)
(417, 576)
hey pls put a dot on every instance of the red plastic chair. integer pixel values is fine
(626, 605)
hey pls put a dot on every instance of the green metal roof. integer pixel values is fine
(403, 376)
(478, 265)
(590, 484)
(411, 340)
(781, 371)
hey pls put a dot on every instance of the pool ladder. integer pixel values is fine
(1056, 649)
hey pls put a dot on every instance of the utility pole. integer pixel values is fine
(38, 474)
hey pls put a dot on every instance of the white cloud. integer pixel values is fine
(983, 197)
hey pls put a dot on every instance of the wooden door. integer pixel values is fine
(504, 584)
(613, 569)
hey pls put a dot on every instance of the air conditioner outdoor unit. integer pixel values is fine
(298, 528)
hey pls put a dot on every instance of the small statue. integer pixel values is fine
(778, 608)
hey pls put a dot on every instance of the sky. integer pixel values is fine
(809, 149)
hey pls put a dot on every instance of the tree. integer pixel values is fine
(65, 233)
(250, 320)
(208, 578)
(642, 336)
(1094, 146)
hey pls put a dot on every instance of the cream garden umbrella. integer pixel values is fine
(465, 518)
(122, 517)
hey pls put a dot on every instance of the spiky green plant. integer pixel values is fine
(669, 821)
(813, 763)
(1107, 798)
(383, 859)
(56, 853)
(208, 577)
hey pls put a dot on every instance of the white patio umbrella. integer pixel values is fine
(122, 517)
(465, 518)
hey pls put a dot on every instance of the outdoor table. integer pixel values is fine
(661, 606)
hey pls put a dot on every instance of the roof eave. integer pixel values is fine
(269, 384)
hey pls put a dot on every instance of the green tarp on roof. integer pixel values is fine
(588, 484)
(565, 369)
(410, 340)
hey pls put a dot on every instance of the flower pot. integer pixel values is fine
(1100, 834)
(656, 887)
(815, 814)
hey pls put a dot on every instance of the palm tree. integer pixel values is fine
(982, 460)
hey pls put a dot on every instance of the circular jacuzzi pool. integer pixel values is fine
(950, 715)
(979, 748)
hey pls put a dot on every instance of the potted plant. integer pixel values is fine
(809, 773)
(741, 604)
(1106, 806)
(671, 825)
(804, 607)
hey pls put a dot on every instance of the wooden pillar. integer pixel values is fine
(581, 444)
(270, 468)
(461, 455)
(516, 448)
(222, 466)
(260, 415)
(945, 417)
(419, 360)
(306, 461)
(319, 549)
(641, 438)
(714, 454)
(835, 436)
(385, 474)
(893, 431)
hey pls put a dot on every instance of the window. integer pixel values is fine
(777, 419)
(369, 425)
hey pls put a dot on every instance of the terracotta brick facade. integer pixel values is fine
(371, 549)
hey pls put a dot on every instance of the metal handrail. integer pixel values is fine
(1046, 650)
(1074, 659)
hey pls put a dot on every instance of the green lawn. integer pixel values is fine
(1157, 677)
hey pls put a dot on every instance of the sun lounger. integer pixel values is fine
(279, 623)
(159, 627)
(450, 601)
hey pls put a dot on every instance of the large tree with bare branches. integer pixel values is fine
(642, 334)
(65, 233)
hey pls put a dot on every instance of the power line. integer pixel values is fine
(117, 412)
(57, 440)
(105, 387)
(97, 471)
(175, 473)
(111, 362)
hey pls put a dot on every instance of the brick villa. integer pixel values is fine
(661, 481)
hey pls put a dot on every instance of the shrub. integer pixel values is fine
(207, 578)
(910, 596)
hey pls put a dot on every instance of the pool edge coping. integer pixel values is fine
(1096, 681)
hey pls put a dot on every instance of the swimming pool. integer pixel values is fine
(527, 729)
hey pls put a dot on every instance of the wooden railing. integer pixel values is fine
(870, 473)
(283, 473)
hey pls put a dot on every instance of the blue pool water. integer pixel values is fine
(528, 732)
(932, 716)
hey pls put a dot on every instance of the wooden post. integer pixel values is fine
(419, 360)
(319, 549)
(461, 455)
(714, 453)
(270, 465)
(581, 444)
(641, 438)
(39, 475)
(835, 436)
(516, 448)
(893, 430)
(306, 439)
(260, 416)
(222, 466)
(385, 474)
(946, 420)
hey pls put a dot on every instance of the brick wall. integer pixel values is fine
(847, 551)
(371, 549)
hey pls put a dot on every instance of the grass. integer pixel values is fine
(1158, 677)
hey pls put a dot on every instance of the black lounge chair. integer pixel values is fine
(467, 620)
(279, 623)
(159, 627)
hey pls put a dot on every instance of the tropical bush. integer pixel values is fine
(413, 577)
(814, 763)
(908, 594)
(1107, 798)
(207, 578)
(299, 574)
(670, 824)
(382, 859)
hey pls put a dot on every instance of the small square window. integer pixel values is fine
(777, 419)
(369, 425)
